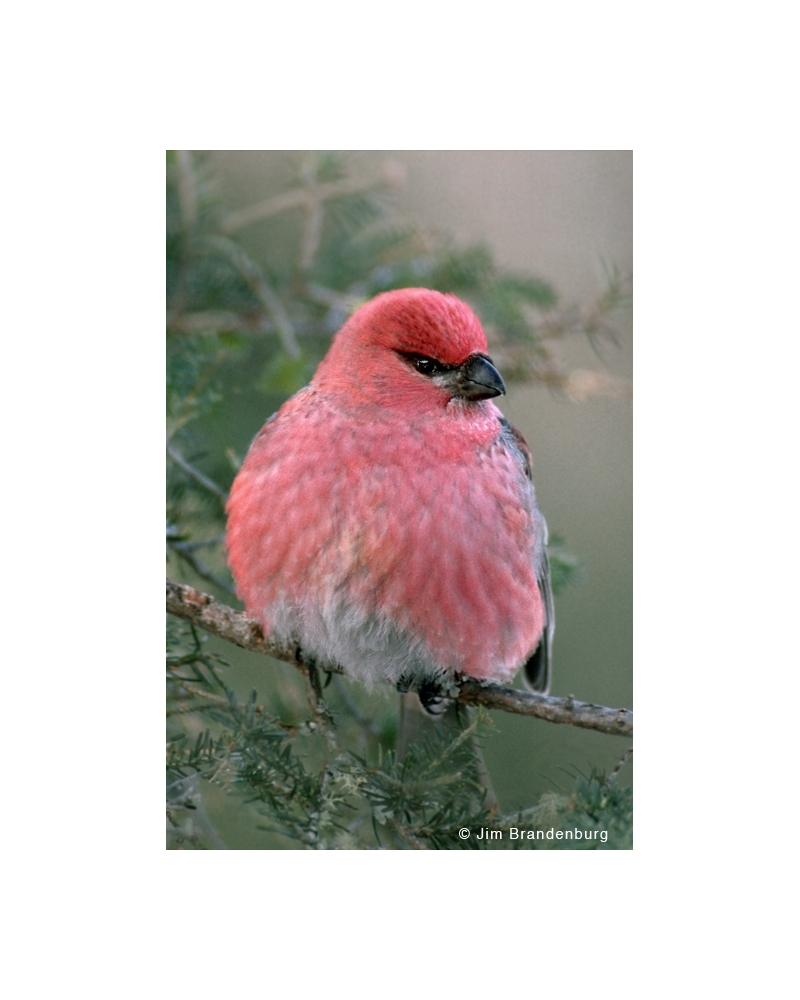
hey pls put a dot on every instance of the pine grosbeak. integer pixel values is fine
(384, 518)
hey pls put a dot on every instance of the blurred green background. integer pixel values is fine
(561, 216)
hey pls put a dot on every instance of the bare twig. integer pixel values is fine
(203, 610)
(322, 716)
(345, 301)
(312, 233)
(212, 321)
(195, 474)
(567, 711)
(202, 543)
(218, 619)
(622, 762)
(408, 836)
(184, 551)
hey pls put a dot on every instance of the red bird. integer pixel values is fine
(384, 518)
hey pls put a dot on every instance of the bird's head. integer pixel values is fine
(412, 349)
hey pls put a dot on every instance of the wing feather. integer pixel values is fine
(537, 671)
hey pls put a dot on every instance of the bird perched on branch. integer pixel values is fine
(384, 518)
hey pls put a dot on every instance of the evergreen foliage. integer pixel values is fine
(247, 322)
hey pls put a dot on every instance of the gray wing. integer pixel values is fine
(537, 671)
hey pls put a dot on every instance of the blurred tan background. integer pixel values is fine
(562, 216)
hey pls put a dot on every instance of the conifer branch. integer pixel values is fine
(223, 621)
(195, 474)
(299, 197)
(256, 280)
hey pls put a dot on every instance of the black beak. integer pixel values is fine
(477, 379)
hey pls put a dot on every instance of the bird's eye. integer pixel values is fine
(426, 366)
